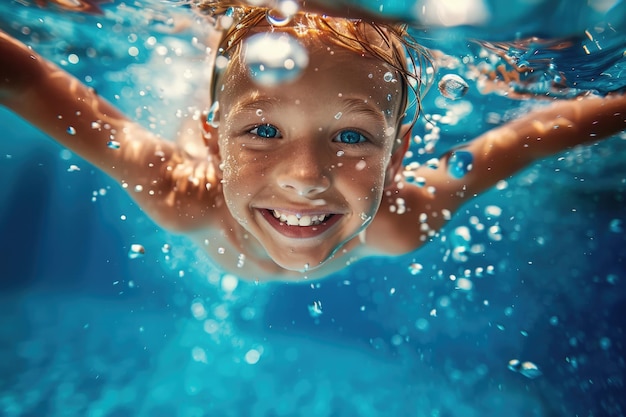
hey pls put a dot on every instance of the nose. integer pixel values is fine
(304, 174)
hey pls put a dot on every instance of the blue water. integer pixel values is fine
(86, 331)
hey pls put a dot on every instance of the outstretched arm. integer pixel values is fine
(497, 154)
(170, 186)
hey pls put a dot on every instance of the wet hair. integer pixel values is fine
(388, 42)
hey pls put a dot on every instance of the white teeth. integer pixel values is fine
(299, 220)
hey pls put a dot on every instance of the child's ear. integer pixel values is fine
(397, 156)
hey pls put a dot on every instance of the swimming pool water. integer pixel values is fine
(533, 270)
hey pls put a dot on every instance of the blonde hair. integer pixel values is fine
(389, 43)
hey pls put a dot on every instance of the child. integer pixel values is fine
(301, 177)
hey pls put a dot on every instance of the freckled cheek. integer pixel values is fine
(365, 186)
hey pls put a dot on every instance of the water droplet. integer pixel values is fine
(221, 250)
(340, 153)
(229, 283)
(432, 163)
(277, 18)
(252, 356)
(415, 268)
(241, 260)
(460, 163)
(605, 343)
(338, 115)
(493, 211)
(464, 284)
(199, 355)
(360, 166)
(166, 248)
(198, 310)
(71, 130)
(274, 58)
(452, 86)
(495, 233)
(315, 309)
(514, 365)
(113, 144)
(616, 226)
(529, 370)
(221, 62)
(136, 251)
(461, 237)
(259, 112)
(388, 77)
(212, 116)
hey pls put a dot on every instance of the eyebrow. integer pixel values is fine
(350, 105)
(362, 107)
(253, 102)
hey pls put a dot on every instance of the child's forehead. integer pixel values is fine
(320, 53)
(329, 70)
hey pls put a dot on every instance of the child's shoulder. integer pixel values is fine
(407, 217)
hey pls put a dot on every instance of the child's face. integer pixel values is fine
(305, 163)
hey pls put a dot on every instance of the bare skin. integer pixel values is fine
(294, 157)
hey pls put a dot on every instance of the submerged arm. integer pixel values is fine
(496, 155)
(170, 186)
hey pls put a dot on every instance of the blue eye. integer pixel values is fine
(266, 131)
(350, 137)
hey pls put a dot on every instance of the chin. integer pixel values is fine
(301, 264)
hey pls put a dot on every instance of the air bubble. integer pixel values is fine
(71, 130)
(277, 18)
(198, 310)
(460, 163)
(252, 356)
(315, 309)
(415, 268)
(212, 118)
(616, 226)
(452, 86)
(229, 283)
(241, 260)
(528, 369)
(274, 58)
(432, 163)
(388, 77)
(136, 251)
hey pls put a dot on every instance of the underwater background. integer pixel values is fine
(515, 309)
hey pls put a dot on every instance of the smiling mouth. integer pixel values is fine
(299, 225)
(301, 220)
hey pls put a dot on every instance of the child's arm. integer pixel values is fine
(497, 155)
(170, 186)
